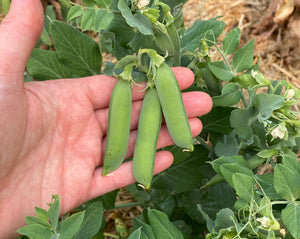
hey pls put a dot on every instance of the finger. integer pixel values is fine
(123, 176)
(196, 104)
(98, 89)
(19, 33)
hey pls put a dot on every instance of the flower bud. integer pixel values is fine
(278, 132)
(290, 94)
(141, 4)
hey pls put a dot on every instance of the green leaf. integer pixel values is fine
(40, 212)
(92, 222)
(245, 80)
(53, 212)
(229, 146)
(102, 19)
(241, 121)
(267, 185)
(45, 38)
(185, 229)
(209, 222)
(109, 199)
(75, 11)
(265, 207)
(217, 120)
(243, 184)
(138, 234)
(291, 218)
(267, 153)
(229, 169)
(291, 161)
(225, 218)
(104, 3)
(185, 175)
(45, 65)
(221, 70)
(209, 29)
(231, 95)
(266, 104)
(69, 227)
(161, 225)
(89, 3)
(231, 41)
(145, 228)
(217, 163)
(243, 58)
(139, 21)
(138, 193)
(175, 5)
(139, 41)
(36, 231)
(213, 84)
(76, 50)
(88, 19)
(37, 220)
(286, 182)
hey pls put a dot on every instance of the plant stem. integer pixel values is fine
(204, 144)
(223, 56)
(280, 202)
(130, 204)
(244, 100)
(111, 235)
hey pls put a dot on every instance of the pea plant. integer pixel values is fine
(238, 179)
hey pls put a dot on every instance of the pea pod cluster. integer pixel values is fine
(162, 97)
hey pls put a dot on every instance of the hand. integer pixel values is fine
(52, 132)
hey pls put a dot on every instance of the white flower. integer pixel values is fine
(278, 132)
(270, 224)
(265, 221)
(140, 4)
(254, 73)
(290, 94)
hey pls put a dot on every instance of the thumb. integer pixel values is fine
(19, 32)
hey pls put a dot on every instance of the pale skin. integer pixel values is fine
(53, 132)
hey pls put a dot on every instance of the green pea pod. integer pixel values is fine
(148, 131)
(167, 41)
(121, 228)
(5, 5)
(173, 108)
(118, 131)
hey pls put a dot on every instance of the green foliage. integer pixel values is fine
(214, 191)
(75, 49)
(48, 224)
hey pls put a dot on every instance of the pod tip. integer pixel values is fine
(189, 149)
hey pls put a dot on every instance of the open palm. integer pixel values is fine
(53, 132)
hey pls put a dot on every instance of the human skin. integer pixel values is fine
(53, 132)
